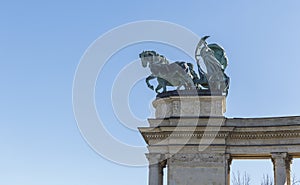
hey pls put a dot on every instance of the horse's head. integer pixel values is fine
(147, 57)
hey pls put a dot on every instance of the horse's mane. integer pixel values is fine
(160, 57)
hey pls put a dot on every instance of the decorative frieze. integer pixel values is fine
(196, 158)
(225, 135)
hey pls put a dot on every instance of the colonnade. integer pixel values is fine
(281, 167)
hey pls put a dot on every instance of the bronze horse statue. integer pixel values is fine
(168, 74)
(182, 74)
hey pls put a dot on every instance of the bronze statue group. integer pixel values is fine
(182, 74)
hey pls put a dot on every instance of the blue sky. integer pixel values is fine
(42, 42)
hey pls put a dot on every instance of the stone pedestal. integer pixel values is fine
(190, 106)
(186, 131)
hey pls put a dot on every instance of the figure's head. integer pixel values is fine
(147, 57)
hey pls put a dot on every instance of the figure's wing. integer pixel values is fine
(220, 54)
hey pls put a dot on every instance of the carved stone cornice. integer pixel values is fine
(185, 135)
(265, 135)
(228, 134)
(160, 135)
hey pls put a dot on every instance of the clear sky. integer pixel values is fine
(42, 42)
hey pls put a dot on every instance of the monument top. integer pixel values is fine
(182, 74)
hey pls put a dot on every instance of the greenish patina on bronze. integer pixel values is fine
(182, 74)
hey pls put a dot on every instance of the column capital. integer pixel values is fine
(155, 158)
(281, 157)
(228, 157)
(156, 165)
(228, 162)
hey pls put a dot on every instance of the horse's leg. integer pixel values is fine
(148, 83)
(164, 87)
(162, 83)
(158, 88)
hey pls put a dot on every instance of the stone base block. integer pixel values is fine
(190, 106)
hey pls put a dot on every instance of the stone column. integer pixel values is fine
(156, 165)
(281, 163)
(228, 164)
